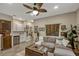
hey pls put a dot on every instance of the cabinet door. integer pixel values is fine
(14, 26)
(18, 26)
(6, 26)
(7, 42)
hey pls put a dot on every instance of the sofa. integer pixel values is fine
(55, 43)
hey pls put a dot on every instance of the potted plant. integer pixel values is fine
(71, 35)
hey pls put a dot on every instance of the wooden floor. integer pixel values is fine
(15, 50)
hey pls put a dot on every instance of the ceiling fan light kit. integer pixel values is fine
(35, 12)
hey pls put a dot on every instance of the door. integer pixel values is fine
(7, 41)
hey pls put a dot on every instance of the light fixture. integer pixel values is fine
(32, 20)
(35, 12)
(56, 7)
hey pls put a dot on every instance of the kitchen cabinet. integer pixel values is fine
(5, 30)
(17, 26)
(5, 26)
(23, 37)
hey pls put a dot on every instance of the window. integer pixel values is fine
(52, 30)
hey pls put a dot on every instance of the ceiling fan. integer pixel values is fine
(36, 9)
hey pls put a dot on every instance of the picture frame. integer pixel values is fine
(35, 29)
(63, 27)
(41, 29)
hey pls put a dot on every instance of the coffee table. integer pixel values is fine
(33, 50)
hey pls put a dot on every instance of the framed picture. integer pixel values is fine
(63, 27)
(41, 29)
(35, 29)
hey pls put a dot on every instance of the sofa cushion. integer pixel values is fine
(63, 42)
(63, 52)
(62, 47)
(59, 42)
(49, 39)
(45, 39)
(49, 45)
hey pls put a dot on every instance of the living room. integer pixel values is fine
(21, 32)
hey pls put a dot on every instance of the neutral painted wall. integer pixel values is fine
(66, 19)
(77, 16)
(5, 17)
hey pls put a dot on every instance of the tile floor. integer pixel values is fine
(16, 49)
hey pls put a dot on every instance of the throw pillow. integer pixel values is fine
(65, 42)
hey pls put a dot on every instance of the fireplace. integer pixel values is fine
(16, 40)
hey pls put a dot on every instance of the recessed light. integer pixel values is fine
(56, 7)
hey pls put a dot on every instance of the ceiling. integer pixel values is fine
(19, 10)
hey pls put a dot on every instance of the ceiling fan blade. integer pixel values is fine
(27, 6)
(42, 10)
(34, 8)
(38, 5)
(29, 12)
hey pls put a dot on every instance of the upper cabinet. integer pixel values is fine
(5, 26)
(17, 26)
